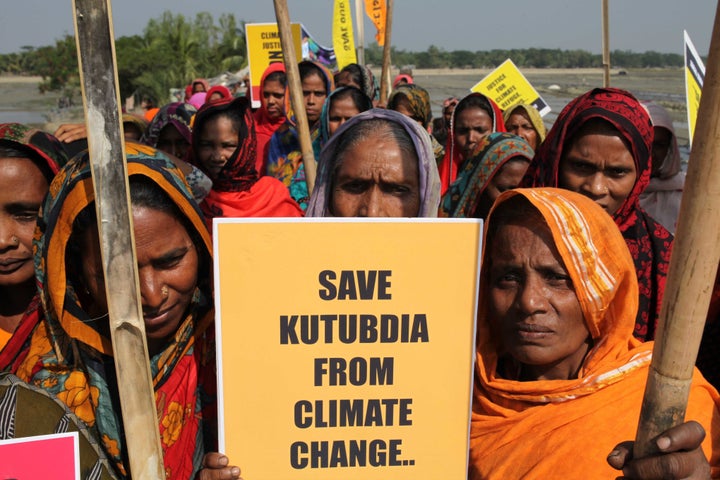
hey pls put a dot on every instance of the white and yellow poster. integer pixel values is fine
(264, 48)
(507, 86)
(343, 35)
(346, 348)
(694, 78)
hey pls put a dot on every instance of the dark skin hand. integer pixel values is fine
(216, 467)
(681, 456)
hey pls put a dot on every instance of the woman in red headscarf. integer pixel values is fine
(271, 114)
(600, 146)
(474, 117)
(224, 148)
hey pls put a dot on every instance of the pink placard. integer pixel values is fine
(45, 456)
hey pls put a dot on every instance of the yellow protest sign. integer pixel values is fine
(507, 86)
(343, 35)
(264, 48)
(694, 78)
(353, 359)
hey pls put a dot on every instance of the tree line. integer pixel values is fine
(174, 49)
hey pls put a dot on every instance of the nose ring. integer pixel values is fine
(15, 240)
(164, 291)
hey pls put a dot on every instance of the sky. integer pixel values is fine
(637, 25)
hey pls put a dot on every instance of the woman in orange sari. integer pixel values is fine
(558, 370)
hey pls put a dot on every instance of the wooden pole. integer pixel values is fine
(98, 74)
(384, 79)
(297, 99)
(691, 276)
(606, 43)
(360, 24)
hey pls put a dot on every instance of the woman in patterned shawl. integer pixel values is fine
(474, 117)
(29, 159)
(70, 354)
(498, 165)
(600, 146)
(285, 160)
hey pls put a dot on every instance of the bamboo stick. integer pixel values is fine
(98, 74)
(360, 24)
(605, 43)
(296, 95)
(692, 271)
(384, 79)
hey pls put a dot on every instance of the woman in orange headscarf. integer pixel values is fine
(558, 372)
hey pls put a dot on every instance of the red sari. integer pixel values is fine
(237, 190)
(649, 242)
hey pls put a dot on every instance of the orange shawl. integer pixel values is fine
(566, 428)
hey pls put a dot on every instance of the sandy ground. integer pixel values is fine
(21, 101)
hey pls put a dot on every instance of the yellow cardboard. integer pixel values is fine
(398, 378)
(264, 48)
(507, 86)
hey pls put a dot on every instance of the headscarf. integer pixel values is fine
(493, 152)
(48, 153)
(418, 98)
(139, 122)
(319, 203)
(399, 78)
(661, 198)
(452, 161)
(177, 114)
(649, 242)
(198, 99)
(555, 419)
(71, 357)
(237, 190)
(324, 136)
(534, 117)
(264, 125)
(285, 160)
(221, 89)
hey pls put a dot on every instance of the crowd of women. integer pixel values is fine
(578, 236)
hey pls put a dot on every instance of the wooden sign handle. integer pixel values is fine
(691, 276)
(98, 75)
(297, 99)
(385, 76)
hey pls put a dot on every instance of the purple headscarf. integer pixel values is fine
(429, 178)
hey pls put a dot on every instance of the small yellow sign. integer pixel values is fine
(346, 348)
(507, 86)
(264, 48)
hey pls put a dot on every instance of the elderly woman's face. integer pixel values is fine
(598, 164)
(376, 179)
(532, 303)
(168, 271)
(18, 215)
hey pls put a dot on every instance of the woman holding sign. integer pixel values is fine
(378, 164)
(70, 353)
(558, 372)
(600, 146)
(474, 117)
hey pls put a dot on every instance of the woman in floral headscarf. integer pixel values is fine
(70, 353)
(600, 146)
